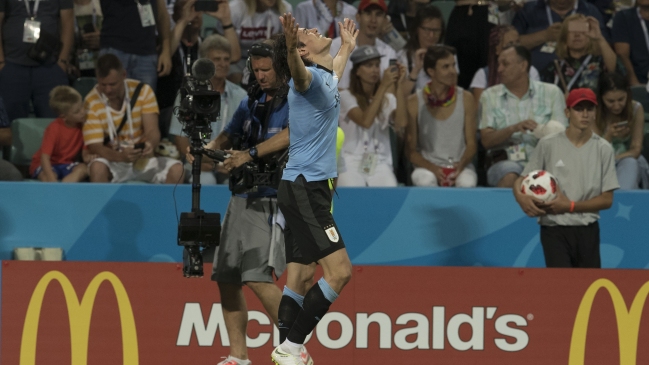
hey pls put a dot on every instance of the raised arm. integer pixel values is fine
(348, 34)
(300, 74)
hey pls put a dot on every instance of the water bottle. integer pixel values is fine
(394, 39)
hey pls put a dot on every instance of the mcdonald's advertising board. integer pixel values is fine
(78, 313)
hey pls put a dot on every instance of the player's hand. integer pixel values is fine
(130, 154)
(552, 32)
(526, 125)
(530, 205)
(290, 30)
(348, 33)
(560, 205)
(236, 159)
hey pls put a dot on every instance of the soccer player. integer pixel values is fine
(304, 196)
(584, 165)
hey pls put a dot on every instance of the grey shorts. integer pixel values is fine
(252, 246)
(501, 168)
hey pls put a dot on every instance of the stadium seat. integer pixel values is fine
(84, 84)
(446, 7)
(27, 135)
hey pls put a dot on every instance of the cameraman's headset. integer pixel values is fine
(260, 49)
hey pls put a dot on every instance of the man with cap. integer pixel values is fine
(371, 17)
(584, 165)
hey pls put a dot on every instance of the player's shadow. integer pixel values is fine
(125, 221)
(451, 229)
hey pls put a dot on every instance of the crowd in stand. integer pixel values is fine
(424, 102)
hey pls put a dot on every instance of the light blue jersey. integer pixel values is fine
(313, 122)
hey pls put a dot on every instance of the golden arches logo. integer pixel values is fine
(79, 314)
(628, 322)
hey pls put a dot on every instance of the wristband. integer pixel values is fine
(572, 207)
(228, 26)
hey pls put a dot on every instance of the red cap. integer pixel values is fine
(578, 95)
(366, 3)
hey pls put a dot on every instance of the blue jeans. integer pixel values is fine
(19, 84)
(138, 67)
(628, 173)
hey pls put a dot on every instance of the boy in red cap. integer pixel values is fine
(584, 165)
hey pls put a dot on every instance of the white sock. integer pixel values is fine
(240, 361)
(291, 348)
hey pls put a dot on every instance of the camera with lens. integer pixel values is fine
(199, 106)
(264, 172)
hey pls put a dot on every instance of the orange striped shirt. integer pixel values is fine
(96, 126)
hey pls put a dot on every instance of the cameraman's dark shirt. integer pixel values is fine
(241, 123)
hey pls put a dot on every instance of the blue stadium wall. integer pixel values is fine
(397, 226)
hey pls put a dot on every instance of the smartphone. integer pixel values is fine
(393, 63)
(139, 146)
(206, 5)
(578, 26)
(621, 124)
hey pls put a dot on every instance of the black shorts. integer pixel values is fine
(571, 246)
(311, 233)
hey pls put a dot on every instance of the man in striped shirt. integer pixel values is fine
(122, 134)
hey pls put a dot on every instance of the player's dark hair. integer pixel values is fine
(280, 57)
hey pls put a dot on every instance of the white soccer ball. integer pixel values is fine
(541, 185)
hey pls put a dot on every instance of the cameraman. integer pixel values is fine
(252, 247)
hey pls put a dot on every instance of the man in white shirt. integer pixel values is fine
(371, 17)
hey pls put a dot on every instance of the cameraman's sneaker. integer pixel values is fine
(280, 357)
(305, 357)
(232, 361)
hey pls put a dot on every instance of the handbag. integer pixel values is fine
(47, 45)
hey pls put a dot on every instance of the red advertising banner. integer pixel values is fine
(78, 313)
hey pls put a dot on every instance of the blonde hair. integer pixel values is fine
(279, 7)
(562, 42)
(63, 98)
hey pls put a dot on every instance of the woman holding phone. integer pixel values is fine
(367, 112)
(583, 54)
(620, 120)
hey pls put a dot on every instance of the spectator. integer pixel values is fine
(427, 30)
(442, 126)
(8, 172)
(24, 78)
(323, 15)
(620, 120)
(631, 41)
(122, 129)
(501, 37)
(58, 157)
(129, 32)
(88, 20)
(254, 20)
(371, 17)
(468, 31)
(510, 110)
(185, 42)
(582, 54)
(584, 166)
(403, 14)
(367, 111)
(539, 24)
(217, 49)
